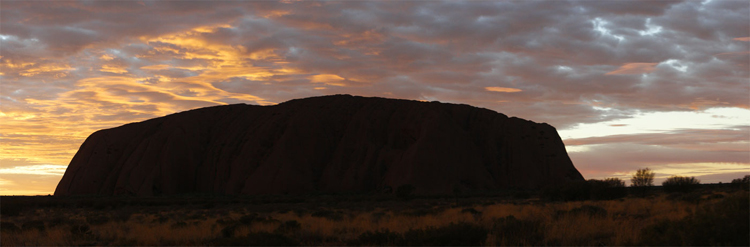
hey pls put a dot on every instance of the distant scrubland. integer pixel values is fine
(707, 215)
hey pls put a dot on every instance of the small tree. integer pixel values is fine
(641, 181)
(680, 184)
(642, 178)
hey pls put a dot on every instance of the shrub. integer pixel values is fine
(228, 231)
(289, 226)
(9, 227)
(11, 209)
(745, 179)
(78, 230)
(694, 197)
(589, 210)
(178, 225)
(455, 234)
(405, 191)
(248, 219)
(607, 189)
(329, 214)
(57, 221)
(522, 195)
(471, 211)
(97, 220)
(418, 212)
(680, 184)
(34, 224)
(743, 183)
(510, 231)
(257, 239)
(571, 191)
(378, 238)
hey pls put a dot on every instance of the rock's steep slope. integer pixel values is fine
(322, 144)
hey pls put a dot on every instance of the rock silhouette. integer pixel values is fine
(328, 144)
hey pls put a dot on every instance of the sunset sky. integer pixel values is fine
(628, 84)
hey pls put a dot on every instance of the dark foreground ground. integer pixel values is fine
(709, 215)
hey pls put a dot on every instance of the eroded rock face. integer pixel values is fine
(335, 143)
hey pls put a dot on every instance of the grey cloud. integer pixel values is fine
(639, 7)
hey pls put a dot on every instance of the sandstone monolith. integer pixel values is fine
(327, 144)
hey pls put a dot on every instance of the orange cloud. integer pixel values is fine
(503, 89)
(746, 39)
(47, 68)
(113, 69)
(328, 79)
(156, 67)
(107, 57)
(634, 69)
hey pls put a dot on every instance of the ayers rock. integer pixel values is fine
(328, 144)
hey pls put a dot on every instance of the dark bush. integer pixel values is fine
(421, 212)
(97, 219)
(510, 231)
(9, 227)
(522, 195)
(228, 231)
(162, 219)
(693, 197)
(289, 226)
(405, 191)
(78, 230)
(721, 223)
(57, 221)
(257, 239)
(743, 183)
(378, 238)
(588, 210)
(226, 222)
(329, 214)
(680, 184)
(607, 189)
(208, 205)
(100, 205)
(571, 191)
(248, 219)
(122, 215)
(178, 225)
(471, 211)
(34, 224)
(11, 209)
(455, 234)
